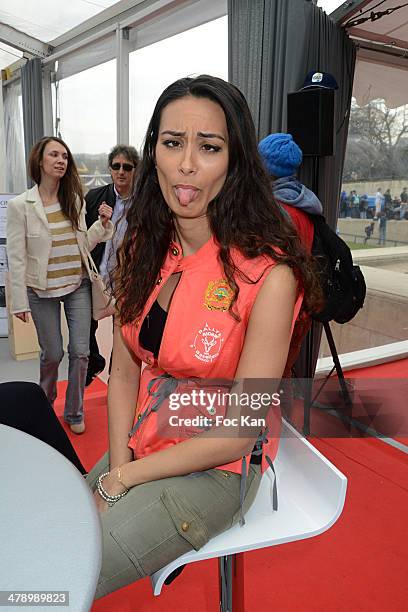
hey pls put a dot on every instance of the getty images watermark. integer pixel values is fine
(211, 401)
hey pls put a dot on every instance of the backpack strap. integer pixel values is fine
(262, 438)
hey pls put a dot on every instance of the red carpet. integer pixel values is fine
(358, 565)
(393, 369)
(91, 445)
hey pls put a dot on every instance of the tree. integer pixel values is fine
(377, 144)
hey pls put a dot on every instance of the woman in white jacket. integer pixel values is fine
(47, 240)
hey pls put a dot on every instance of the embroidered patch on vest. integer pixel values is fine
(207, 344)
(218, 295)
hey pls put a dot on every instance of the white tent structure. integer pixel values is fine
(380, 30)
(104, 63)
(71, 38)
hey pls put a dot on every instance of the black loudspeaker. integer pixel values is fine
(311, 120)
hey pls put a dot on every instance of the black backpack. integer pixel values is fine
(343, 284)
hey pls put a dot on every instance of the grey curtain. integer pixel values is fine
(330, 50)
(273, 44)
(266, 60)
(31, 87)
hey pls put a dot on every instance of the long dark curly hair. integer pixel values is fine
(243, 215)
(70, 187)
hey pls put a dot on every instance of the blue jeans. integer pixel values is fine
(46, 313)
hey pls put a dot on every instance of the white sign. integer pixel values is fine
(4, 198)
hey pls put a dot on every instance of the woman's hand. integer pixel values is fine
(105, 213)
(23, 316)
(112, 486)
(101, 504)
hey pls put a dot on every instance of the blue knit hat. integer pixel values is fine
(281, 155)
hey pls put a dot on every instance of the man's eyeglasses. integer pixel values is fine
(126, 167)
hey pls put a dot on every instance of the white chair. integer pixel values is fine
(311, 494)
(50, 531)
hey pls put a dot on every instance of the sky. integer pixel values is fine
(88, 103)
(329, 5)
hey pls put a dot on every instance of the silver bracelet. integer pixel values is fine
(110, 499)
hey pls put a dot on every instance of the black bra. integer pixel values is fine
(151, 332)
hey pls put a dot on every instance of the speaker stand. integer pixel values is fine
(307, 399)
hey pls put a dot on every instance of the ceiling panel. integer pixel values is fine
(47, 19)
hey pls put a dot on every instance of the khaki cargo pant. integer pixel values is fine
(158, 521)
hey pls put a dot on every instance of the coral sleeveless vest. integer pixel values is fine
(201, 340)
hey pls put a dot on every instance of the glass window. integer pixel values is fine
(373, 220)
(85, 117)
(375, 180)
(203, 49)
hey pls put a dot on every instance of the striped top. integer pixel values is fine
(64, 272)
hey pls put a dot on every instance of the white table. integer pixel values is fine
(50, 535)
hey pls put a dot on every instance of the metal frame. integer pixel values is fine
(122, 85)
(347, 9)
(117, 21)
(23, 42)
(395, 57)
(47, 101)
(96, 29)
(231, 578)
(107, 19)
(362, 37)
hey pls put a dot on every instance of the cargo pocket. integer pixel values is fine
(146, 538)
(157, 534)
(188, 522)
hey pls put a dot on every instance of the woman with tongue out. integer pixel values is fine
(209, 282)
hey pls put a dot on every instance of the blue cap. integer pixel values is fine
(280, 154)
(320, 79)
